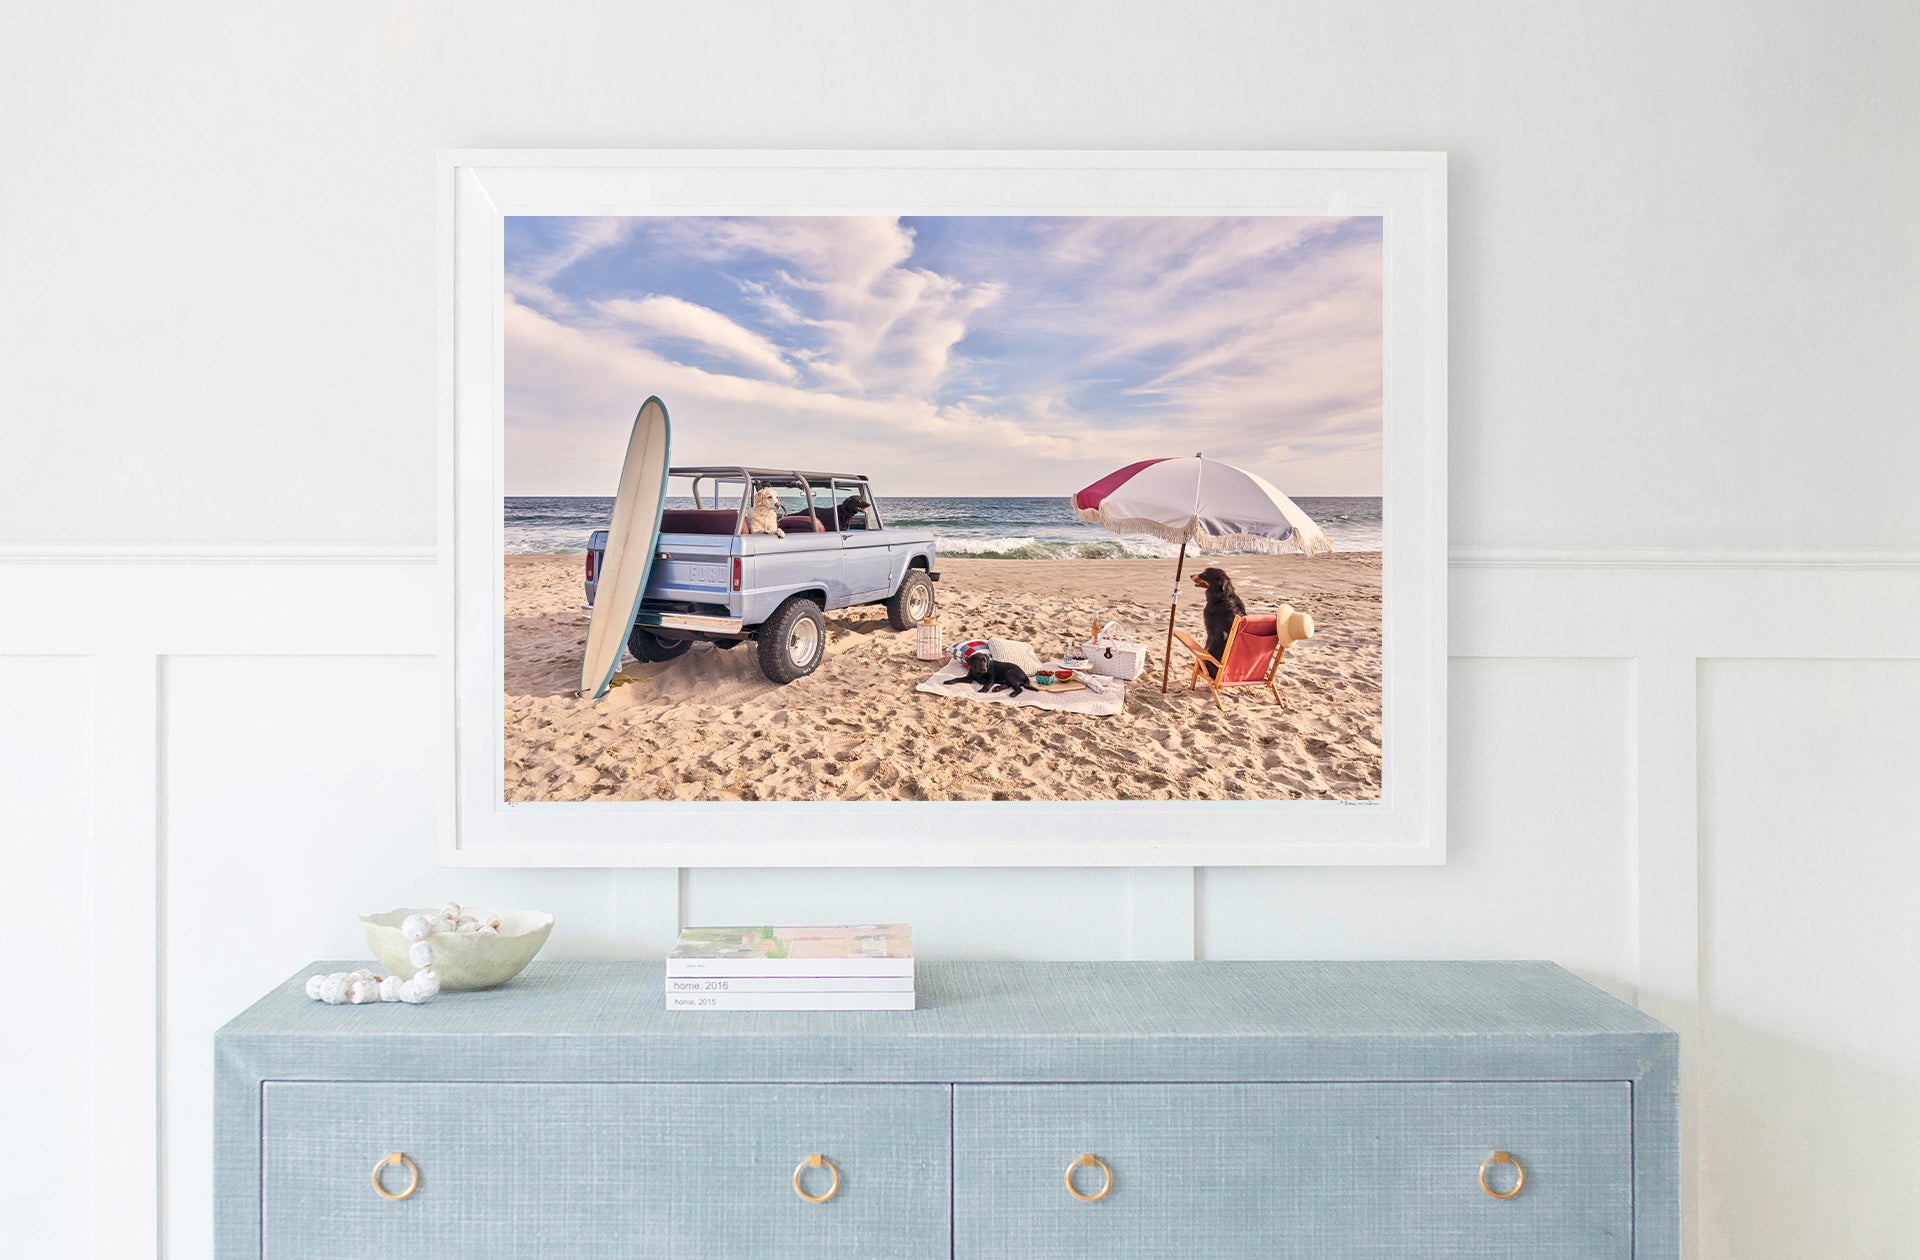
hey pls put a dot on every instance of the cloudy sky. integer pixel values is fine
(947, 355)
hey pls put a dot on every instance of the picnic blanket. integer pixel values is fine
(1099, 704)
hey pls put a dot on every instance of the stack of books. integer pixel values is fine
(864, 967)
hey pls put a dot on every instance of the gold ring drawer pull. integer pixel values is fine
(394, 1159)
(1519, 1175)
(816, 1161)
(1106, 1173)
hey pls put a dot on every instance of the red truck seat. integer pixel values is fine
(800, 522)
(697, 521)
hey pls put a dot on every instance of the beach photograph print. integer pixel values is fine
(943, 508)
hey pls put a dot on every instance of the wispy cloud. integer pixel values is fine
(674, 319)
(949, 355)
(579, 238)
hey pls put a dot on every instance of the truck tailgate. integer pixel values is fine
(697, 568)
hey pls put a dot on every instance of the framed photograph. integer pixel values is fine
(945, 508)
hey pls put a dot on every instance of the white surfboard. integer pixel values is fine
(631, 540)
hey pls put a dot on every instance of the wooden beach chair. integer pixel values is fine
(1255, 648)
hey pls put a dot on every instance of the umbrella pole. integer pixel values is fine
(1166, 662)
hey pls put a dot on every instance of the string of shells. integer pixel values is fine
(357, 988)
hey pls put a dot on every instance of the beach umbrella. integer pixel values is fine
(1199, 503)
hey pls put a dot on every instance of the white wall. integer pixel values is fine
(1684, 316)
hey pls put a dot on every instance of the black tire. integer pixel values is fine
(792, 641)
(650, 649)
(913, 601)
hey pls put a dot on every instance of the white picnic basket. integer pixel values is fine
(1114, 656)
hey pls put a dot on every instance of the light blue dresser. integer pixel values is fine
(1225, 1110)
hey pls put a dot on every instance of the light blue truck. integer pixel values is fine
(711, 580)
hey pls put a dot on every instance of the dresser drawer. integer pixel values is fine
(1307, 1170)
(579, 1171)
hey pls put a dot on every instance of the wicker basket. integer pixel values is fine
(1114, 656)
(927, 644)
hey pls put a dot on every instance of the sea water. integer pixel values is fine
(1000, 529)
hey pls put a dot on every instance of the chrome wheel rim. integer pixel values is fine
(803, 641)
(921, 603)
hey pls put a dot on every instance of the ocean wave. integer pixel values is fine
(544, 546)
(1052, 549)
(958, 520)
(571, 541)
(1008, 529)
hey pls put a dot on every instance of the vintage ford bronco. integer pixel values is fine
(713, 581)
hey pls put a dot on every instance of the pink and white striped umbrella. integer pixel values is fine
(1201, 503)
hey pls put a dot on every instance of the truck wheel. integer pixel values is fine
(650, 649)
(792, 641)
(913, 602)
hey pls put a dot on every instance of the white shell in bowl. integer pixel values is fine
(462, 960)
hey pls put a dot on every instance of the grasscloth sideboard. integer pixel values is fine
(1027, 1109)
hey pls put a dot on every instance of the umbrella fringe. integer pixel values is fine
(1311, 541)
(1299, 542)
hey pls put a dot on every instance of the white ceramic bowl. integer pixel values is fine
(462, 960)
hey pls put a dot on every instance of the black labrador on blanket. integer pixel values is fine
(1223, 605)
(993, 675)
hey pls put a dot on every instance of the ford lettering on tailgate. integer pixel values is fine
(699, 570)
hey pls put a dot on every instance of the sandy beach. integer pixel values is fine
(709, 727)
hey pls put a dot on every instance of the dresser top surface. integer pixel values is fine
(964, 1001)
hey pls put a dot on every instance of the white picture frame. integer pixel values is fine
(479, 189)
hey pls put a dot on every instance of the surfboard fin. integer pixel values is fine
(617, 680)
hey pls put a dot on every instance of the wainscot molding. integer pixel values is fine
(1677, 558)
(275, 553)
(1457, 557)
(1664, 610)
